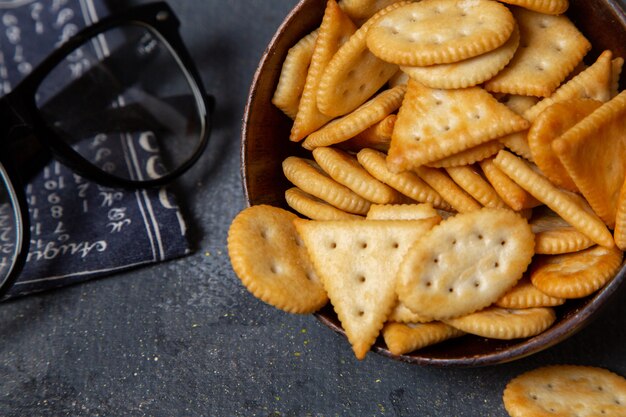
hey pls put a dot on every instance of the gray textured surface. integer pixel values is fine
(185, 339)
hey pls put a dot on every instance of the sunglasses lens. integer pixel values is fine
(126, 103)
(10, 228)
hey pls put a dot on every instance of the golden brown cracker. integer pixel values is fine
(468, 72)
(619, 234)
(526, 295)
(578, 274)
(440, 31)
(558, 200)
(454, 195)
(293, 75)
(592, 83)
(403, 338)
(566, 391)
(465, 263)
(408, 183)
(547, 127)
(377, 136)
(346, 170)
(401, 212)
(361, 10)
(335, 29)
(597, 166)
(512, 194)
(550, 48)
(505, 323)
(469, 156)
(350, 125)
(434, 124)
(269, 259)
(354, 74)
(309, 177)
(357, 264)
(469, 178)
(314, 208)
(554, 236)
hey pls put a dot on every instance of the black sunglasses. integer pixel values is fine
(124, 89)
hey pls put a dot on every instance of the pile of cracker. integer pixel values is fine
(466, 173)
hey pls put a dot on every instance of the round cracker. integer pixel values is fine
(526, 295)
(505, 323)
(566, 391)
(465, 263)
(440, 31)
(468, 72)
(578, 274)
(270, 260)
(541, 6)
(554, 236)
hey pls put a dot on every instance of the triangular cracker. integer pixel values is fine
(357, 263)
(433, 124)
(593, 153)
(335, 29)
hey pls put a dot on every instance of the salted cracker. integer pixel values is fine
(505, 323)
(402, 338)
(550, 48)
(526, 295)
(597, 166)
(361, 10)
(554, 236)
(357, 263)
(401, 212)
(344, 168)
(566, 391)
(518, 142)
(314, 208)
(469, 156)
(365, 116)
(433, 124)
(310, 178)
(440, 31)
(408, 183)
(468, 72)
(577, 274)
(293, 75)
(549, 125)
(377, 136)
(512, 194)
(268, 257)
(454, 195)
(469, 179)
(558, 200)
(335, 29)
(465, 263)
(354, 74)
(592, 83)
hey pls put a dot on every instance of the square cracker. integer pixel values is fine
(593, 153)
(357, 264)
(433, 124)
(550, 48)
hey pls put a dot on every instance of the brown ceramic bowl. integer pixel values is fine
(265, 144)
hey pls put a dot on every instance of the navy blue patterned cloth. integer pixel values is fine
(79, 229)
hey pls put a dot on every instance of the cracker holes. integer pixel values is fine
(395, 245)
(332, 245)
(361, 279)
(363, 245)
(350, 73)
(263, 234)
(360, 313)
(274, 269)
(428, 283)
(445, 128)
(310, 275)
(543, 24)
(362, 88)
(345, 93)
(503, 242)
(480, 236)
(451, 290)
(496, 264)
(476, 284)
(417, 138)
